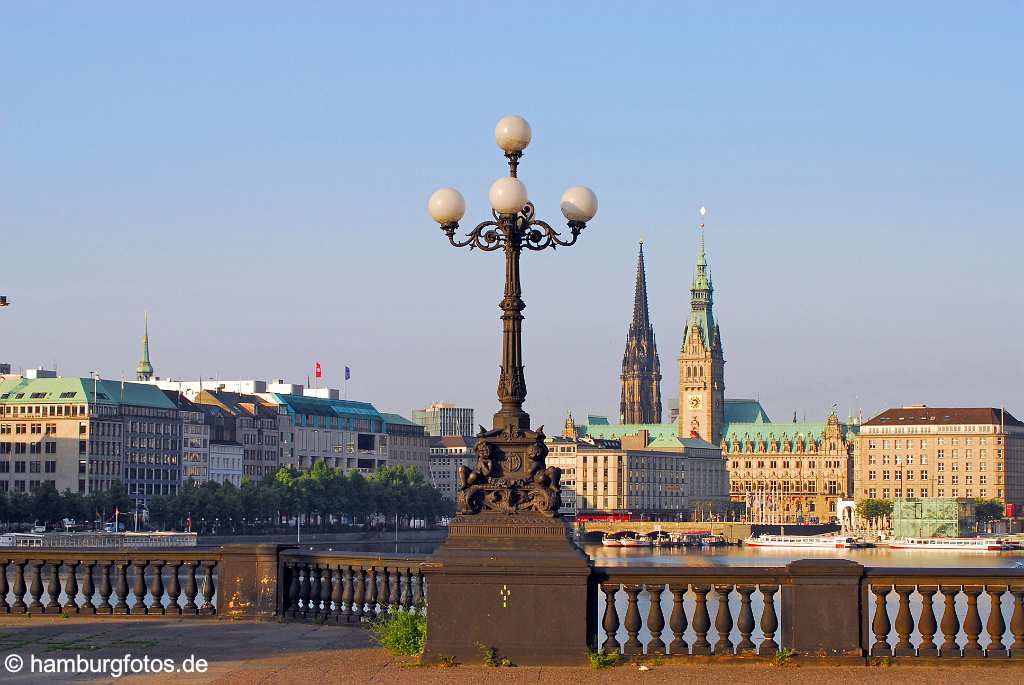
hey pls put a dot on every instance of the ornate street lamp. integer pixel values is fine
(510, 475)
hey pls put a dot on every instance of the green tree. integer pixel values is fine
(986, 510)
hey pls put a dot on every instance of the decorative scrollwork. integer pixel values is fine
(479, 238)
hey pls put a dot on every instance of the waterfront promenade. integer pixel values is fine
(269, 653)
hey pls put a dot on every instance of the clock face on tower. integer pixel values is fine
(694, 401)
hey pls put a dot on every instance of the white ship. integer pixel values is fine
(948, 544)
(805, 541)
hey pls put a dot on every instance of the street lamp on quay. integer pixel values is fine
(510, 475)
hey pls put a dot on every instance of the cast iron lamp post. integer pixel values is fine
(510, 475)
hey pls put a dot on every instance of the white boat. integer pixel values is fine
(611, 542)
(804, 541)
(949, 544)
(712, 541)
(635, 542)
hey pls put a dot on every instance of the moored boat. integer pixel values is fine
(611, 542)
(951, 544)
(635, 542)
(804, 541)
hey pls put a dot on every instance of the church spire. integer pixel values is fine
(144, 371)
(640, 400)
(641, 316)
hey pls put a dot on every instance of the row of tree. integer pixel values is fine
(321, 497)
(985, 510)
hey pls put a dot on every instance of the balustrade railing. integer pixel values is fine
(336, 587)
(901, 607)
(636, 601)
(176, 582)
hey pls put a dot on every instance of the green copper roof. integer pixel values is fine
(319, 406)
(745, 411)
(73, 390)
(398, 420)
(702, 312)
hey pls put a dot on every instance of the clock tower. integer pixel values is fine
(701, 364)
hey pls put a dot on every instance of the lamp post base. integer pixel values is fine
(514, 584)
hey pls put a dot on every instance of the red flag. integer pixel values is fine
(319, 373)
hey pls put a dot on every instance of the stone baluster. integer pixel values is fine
(71, 587)
(769, 621)
(121, 587)
(385, 590)
(88, 588)
(408, 596)
(419, 595)
(314, 591)
(723, 621)
(5, 608)
(325, 590)
(106, 590)
(359, 593)
(347, 594)
(371, 593)
(304, 586)
(745, 622)
(139, 587)
(927, 624)
(173, 588)
(701, 621)
(208, 589)
(1017, 623)
(610, 621)
(35, 587)
(53, 587)
(292, 607)
(972, 622)
(19, 588)
(156, 588)
(396, 592)
(191, 589)
(632, 646)
(655, 620)
(950, 622)
(904, 622)
(996, 626)
(880, 624)
(677, 622)
(336, 588)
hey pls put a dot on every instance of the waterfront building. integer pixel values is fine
(84, 434)
(445, 419)
(562, 455)
(408, 444)
(789, 472)
(251, 421)
(640, 397)
(195, 437)
(639, 474)
(447, 454)
(945, 452)
(343, 434)
(227, 462)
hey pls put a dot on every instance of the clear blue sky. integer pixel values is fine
(256, 175)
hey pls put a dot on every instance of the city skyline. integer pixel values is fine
(853, 258)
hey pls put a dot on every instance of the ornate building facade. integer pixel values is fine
(701, 362)
(789, 472)
(640, 400)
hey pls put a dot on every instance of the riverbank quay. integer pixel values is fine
(270, 653)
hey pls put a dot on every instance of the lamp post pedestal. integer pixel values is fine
(513, 583)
